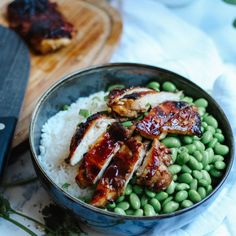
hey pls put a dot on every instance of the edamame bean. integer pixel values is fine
(168, 86)
(174, 152)
(206, 176)
(187, 139)
(182, 186)
(123, 205)
(156, 204)
(207, 168)
(194, 164)
(202, 192)
(193, 184)
(138, 212)
(207, 137)
(154, 85)
(204, 124)
(210, 154)
(137, 189)
(144, 200)
(181, 196)
(201, 110)
(149, 193)
(111, 205)
(199, 145)
(135, 201)
(194, 196)
(119, 211)
(197, 174)
(170, 207)
(209, 189)
(120, 198)
(171, 142)
(115, 86)
(127, 123)
(187, 99)
(210, 120)
(198, 155)
(219, 165)
(167, 200)
(203, 182)
(201, 102)
(174, 169)
(129, 212)
(186, 169)
(220, 137)
(185, 178)
(171, 188)
(183, 158)
(128, 189)
(218, 131)
(211, 129)
(186, 203)
(212, 143)
(161, 196)
(221, 149)
(218, 158)
(191, 148)
(215, 173)
(149, 210)
(175, 177)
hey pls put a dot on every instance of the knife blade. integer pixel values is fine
(14, 73)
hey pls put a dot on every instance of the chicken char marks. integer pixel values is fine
(170, 117)
(153, 172)
(40, 23)
(100, 154)
(129, 102)
(118, 173)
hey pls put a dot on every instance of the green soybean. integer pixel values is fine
(120, 198)
(194, 196)
(197, 174)
(207, 137)
(187, 99)
(174, 152)
(170, 198)
(210, 155)
(175, 177)
(201, 110)
(219, 165)
(174, 169)
(199, 145)
(194, 164)
(193, 185)
(149, 193)
(154, 85)
(218, 131)
(137, 189)
(170, 207)
(185, 178)
(182, 186)
(115, 86)
(221, 149)
(134, 201)
(210, 120)
(161, 196)
(168, 86)
(201, 102)
(209, 189)
(186, 203)
(198, 155)
(171, 142)
(218, 158)
(138, 212)
(205, 158)
(220, 137)
(215, 173)
(119, 211)
(212, 143)
(183, 158)
(171, 188)
(203, 182)
(187, 139)
(144, 200)
(211, 129)
(128, 189)
(111, 205)
(129, 212)
(202, 192)
(127, 123)
(191, 148)
(149, 210)
(204, 124)
(123, 205)
(206, 176)
(181, 195)
(156, 204)
(186, 169)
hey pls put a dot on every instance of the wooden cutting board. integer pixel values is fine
(98, 28)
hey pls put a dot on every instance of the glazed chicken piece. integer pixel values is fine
(40, 23)
(118, 173)
(129, 102)
(100, 154)
(170, 117)
(86, 135)
(153, 172)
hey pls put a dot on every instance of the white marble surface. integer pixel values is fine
(214, 18)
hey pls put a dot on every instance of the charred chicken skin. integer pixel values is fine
(40, 23)
(170, 117)
(130, 102)
(153, 172)
(118, 173)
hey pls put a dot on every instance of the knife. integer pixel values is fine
(14, 73)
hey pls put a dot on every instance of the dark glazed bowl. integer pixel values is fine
(88, 81)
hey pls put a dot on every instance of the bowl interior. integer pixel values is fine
(86, 82)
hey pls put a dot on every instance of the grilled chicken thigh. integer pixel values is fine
(87, 134)
(153, 172)
(100, 154)
(170, 117)
(118, 173)
(130, 102)
(40, 23)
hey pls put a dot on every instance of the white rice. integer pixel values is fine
(55, 141)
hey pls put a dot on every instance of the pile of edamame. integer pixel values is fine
(198, 163)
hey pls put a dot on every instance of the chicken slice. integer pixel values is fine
(118, 173)
(153, 172)
(100, 154)
(86, 134)
(130, 102)
(170, 117)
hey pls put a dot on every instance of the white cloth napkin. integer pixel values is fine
(154, 35)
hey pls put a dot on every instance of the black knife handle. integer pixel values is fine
(7, 128)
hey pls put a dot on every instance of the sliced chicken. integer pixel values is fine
(100, 154)
(129, 102)
(118, 173)
(153, 172)
(170, 117)
(86, 134)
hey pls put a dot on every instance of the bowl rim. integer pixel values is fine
(70, 76)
